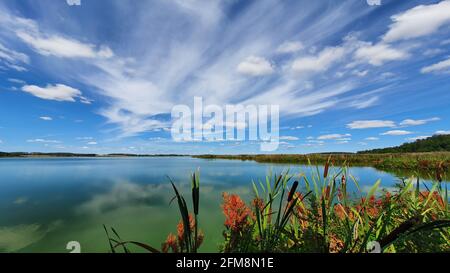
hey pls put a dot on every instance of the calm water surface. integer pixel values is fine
(45, 203)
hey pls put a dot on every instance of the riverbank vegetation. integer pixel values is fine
(424, 155)
(421, 162)
(297, 213)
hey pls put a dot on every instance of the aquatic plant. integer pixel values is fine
(325, 218)
(316, 213)
(189, 237)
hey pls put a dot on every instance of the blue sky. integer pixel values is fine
(102, 76)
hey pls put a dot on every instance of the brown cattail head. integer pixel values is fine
(293, 189)
(325, 171)
(439, 172)
(343, 180)
(327, 192)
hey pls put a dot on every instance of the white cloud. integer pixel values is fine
(41, 140)
(1, 141)
(443, 66)
(13, 59)
(84, 138)
(289, 138)
(380, 53)
(58, 92)
(73, 2)
(297, 127)
(364, 124)
(255, 66)
(413, 122)
(85, 100)
(290, 47)
(319, 142)
(372, 138)
(364, 102)
(16, 81)
(321, 62)
(173, 68)
(360, 73)
(442, 132)
(62, 47)
(419, 21)
(92, 143)
(433, 51)
(416, 138)
(342, 137)
(396, 133)
(46, 118)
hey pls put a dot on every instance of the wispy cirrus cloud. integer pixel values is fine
(13, 59)
(290, 47)
(442, 66)
(41, 140)
(415, 122)
(309, 65)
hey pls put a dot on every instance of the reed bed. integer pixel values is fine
(420, 162)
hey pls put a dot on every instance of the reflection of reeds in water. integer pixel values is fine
(320, 217)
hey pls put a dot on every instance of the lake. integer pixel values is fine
(47, 202)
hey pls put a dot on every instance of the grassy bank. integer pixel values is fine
(425, 162)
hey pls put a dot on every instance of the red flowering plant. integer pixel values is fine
(262, 227)
(238, 224)
(177, 243)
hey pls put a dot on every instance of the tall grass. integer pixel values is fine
(325, 218)
(423, 162)
(189, 237)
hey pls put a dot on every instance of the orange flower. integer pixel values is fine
(339, 210)
(258, 203)
(180, 227)
(388, 197)
(237, 214)
(171, 242)
(435, 197)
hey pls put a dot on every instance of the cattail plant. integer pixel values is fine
(189, 237)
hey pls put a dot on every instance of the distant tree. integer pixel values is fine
(436, 143)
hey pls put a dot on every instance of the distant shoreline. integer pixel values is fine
(76, 155)
(428, 162)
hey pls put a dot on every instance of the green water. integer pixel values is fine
(45, 203)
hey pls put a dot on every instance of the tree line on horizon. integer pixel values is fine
(436, 143)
